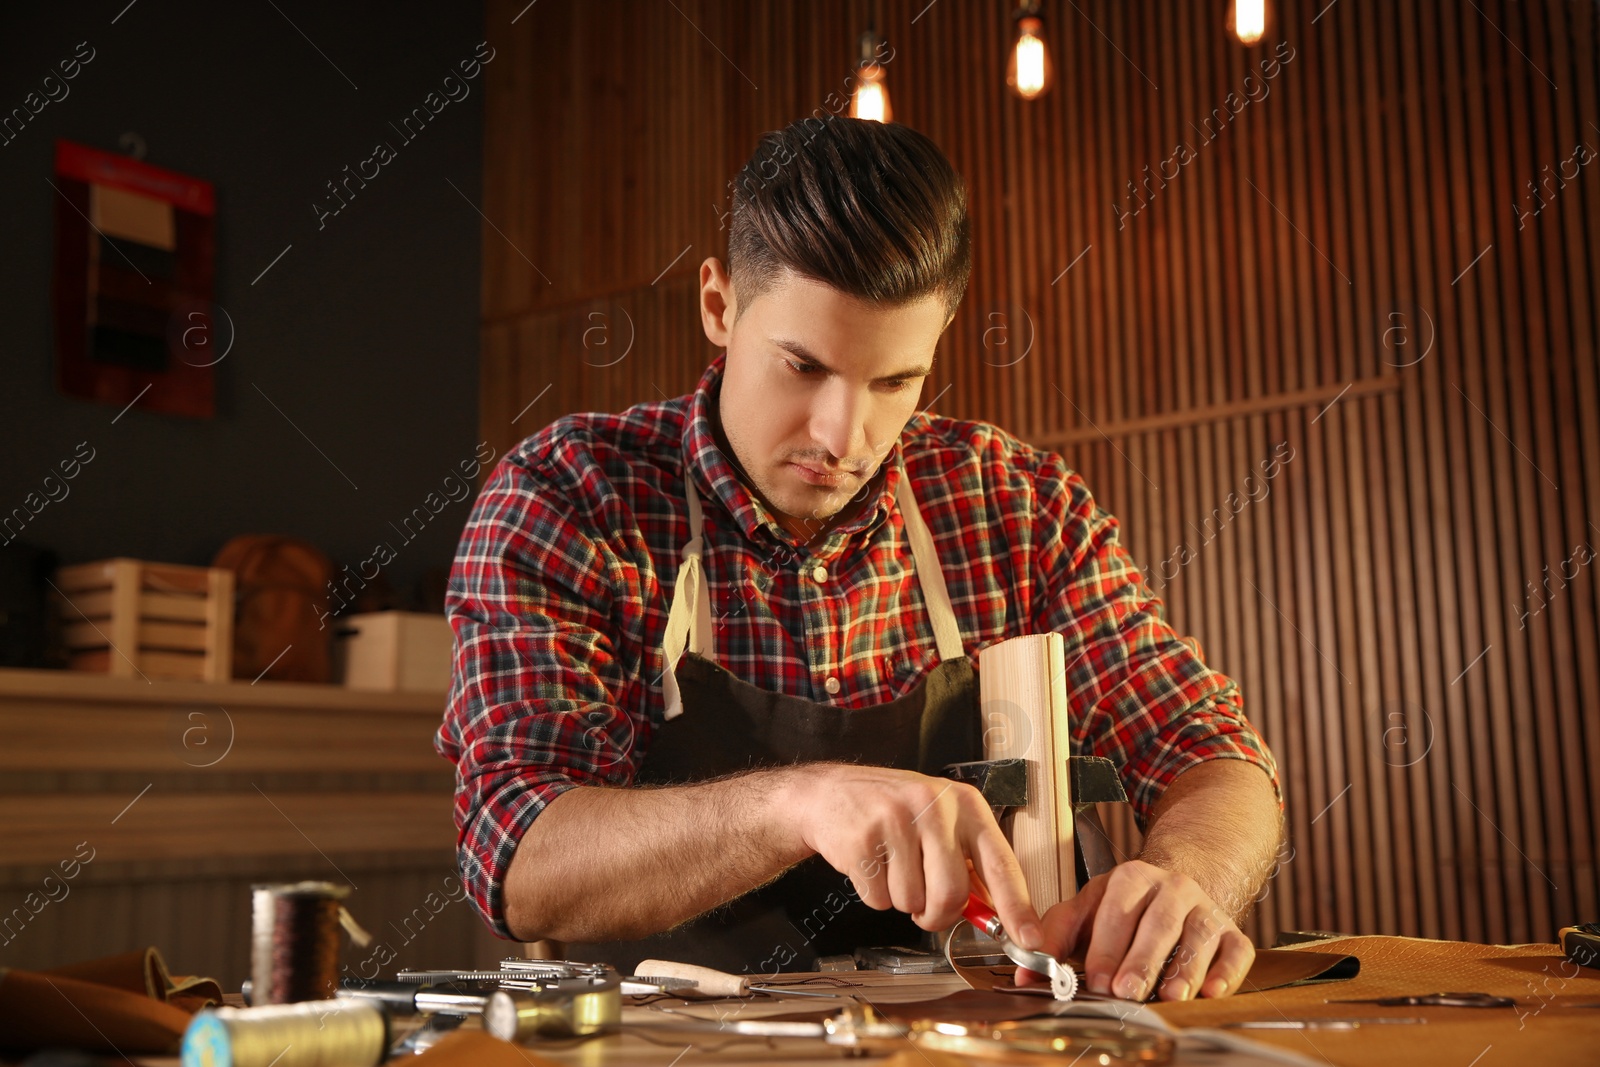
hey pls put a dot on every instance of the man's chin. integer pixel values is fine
(815, 505)
(802, 500)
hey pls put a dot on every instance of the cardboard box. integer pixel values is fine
(396, 650)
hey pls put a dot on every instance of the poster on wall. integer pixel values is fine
(133, 283)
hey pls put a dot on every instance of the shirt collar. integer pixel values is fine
(721, 481)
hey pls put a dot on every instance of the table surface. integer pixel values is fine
(1556, 1019)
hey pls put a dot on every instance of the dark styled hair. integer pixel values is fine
(874, 210)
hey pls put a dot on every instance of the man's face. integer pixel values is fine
(817, 387)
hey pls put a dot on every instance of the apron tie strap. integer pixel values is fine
(689, 617)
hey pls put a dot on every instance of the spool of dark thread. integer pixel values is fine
(295, 942)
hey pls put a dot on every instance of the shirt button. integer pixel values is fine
(820, 573)
(832, 686)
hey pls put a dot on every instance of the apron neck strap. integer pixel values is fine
(689, 617)
(702, 640)
(929, 574)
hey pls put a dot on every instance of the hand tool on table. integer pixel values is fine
(654, 977)
(1063, 979)
(1436, 1000)
(559, 1006)
(516, 973)
(461, 998)
(1581, 943)
(709, 982)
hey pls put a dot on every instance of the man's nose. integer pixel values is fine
(837, 422)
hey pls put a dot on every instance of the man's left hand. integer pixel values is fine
(1140, 929)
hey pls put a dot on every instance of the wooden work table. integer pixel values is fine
(1556, 1020)
(1549, 1024)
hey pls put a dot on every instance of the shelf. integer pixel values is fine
(89, 687)
(173, 770)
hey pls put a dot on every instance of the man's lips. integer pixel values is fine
(821, 477)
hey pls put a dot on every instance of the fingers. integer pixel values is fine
(997, 867)
(1234, 956)
(905, 839)
(947, 881)
(1066, 924)
(897, 835)
(1150, 930)
(1177, 938)
(906, 886)
(870, 875)
(1197, 946)
(1129, 890)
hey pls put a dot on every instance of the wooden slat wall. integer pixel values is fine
(1355, 224)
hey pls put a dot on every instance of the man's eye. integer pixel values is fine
(801, 368)
(897, 384)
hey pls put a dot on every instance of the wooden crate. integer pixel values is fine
(134, 619)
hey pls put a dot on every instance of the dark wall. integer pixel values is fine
(364, 333)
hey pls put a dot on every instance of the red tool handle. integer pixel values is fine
(981, 915)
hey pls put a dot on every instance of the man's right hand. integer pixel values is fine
(905, 841)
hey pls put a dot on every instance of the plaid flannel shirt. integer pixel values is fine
(566, 567)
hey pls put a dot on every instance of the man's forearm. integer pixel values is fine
(1219, 823)
(602, 864)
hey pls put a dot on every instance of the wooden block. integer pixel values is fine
(1023, 693)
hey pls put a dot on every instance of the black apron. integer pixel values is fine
(718, 724)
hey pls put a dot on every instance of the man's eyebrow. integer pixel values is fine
(799, 351)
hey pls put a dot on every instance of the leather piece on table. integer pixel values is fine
(49, 1011)
(964, 1005)
(144, 971)
(1546, 1026)
(970, 1005)
(1273, 968)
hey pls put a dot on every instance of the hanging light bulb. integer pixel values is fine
(1248, 20)
(871, 98)
(1028, 73)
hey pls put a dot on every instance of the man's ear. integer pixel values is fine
(718, 304)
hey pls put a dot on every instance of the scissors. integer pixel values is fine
(1437, 1000)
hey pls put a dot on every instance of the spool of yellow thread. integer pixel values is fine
(316, 1033)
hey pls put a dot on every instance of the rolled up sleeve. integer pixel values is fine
(1140, 694)
(538, 689)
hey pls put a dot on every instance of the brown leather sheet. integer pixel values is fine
(39, 1010)
(127, 1003)
(1548, 1025)
(1273, 968)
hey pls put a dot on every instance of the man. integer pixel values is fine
(713, 652)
